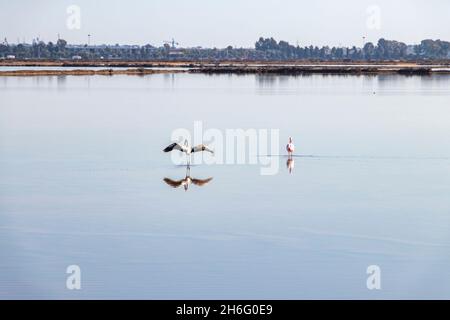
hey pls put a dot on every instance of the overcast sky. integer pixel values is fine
(220, 23)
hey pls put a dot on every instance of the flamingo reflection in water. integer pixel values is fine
(290, 163)
(187, 181)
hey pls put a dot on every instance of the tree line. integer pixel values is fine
(383, 50)
(265, 49)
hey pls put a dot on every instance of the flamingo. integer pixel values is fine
(186, 148)
(290, 147)
(186, 182)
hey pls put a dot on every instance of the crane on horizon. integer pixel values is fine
(172, 43)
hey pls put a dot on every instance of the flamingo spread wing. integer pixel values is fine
(173, 183)
(174, 146)
(201, 147)
(200, 182)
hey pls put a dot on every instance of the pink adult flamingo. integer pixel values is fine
(290, 147)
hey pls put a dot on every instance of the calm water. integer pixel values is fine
(81, 182)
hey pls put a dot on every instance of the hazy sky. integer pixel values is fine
(223, 22)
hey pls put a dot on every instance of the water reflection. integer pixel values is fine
(290, 163)
(187, 181)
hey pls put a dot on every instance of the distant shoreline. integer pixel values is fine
(223, 67)
(86, 72)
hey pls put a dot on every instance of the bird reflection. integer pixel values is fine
(187, 181)
(290, 163)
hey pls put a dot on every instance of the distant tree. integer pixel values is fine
(434, 48)
(369, 50)
(61, 44)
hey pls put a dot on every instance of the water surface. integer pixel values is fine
(82, 182)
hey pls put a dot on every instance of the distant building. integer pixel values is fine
(10, 57)
(176, 52)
